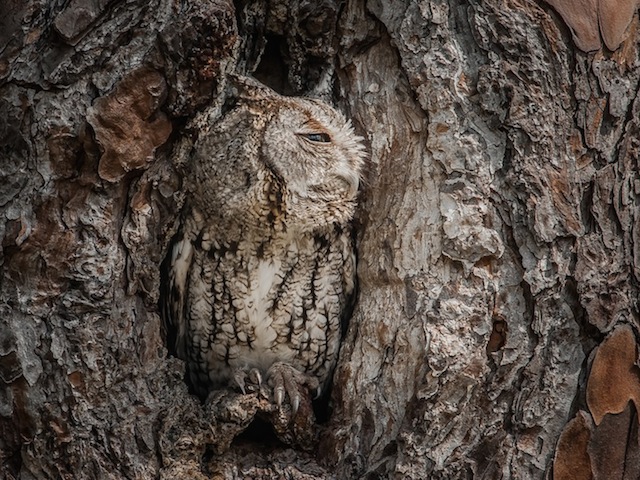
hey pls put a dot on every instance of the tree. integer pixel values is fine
(495, 332)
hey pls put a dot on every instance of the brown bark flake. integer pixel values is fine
(614, 377)
(128, 124)
(572, 460)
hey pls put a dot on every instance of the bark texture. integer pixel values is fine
(495, 333)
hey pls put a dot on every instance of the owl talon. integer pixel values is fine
(278, 395)
(288, 381)
(238, 376)
(253, 377)
(295, 403)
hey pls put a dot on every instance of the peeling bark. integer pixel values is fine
(495, 332)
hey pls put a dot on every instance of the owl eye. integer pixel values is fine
(317, 137)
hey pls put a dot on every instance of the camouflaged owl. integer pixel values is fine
(263, 267)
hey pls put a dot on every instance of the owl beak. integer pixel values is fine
(352, 180)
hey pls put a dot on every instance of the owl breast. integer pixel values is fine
(252, 303)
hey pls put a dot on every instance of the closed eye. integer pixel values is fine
(319, 137)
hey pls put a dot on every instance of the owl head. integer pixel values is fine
(273, 159)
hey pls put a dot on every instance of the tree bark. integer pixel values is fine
(495, 331)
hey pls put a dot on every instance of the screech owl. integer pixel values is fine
(263, 265)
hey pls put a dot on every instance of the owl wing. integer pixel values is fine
(175, 273)
(349, 279)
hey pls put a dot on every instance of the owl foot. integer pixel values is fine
(285, 379)
(251, 376)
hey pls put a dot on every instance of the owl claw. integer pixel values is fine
(238, 376)
(287, 381)
(295, 403)
(253, 376)
(278, 395)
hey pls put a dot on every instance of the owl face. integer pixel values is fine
(314, 150)
(313, 147)
(277, 160)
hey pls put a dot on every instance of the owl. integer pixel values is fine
(263, 267)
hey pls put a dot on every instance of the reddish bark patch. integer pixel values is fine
(614, 446)
(498, 337)
(128, 124)
(572, 461)
(615, 378)
(581, 16)
(614, 17)
(594, 21)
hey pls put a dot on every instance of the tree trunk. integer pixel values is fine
(494, 334)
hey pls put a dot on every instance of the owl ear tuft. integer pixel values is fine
(248, 88)
(323, 90)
